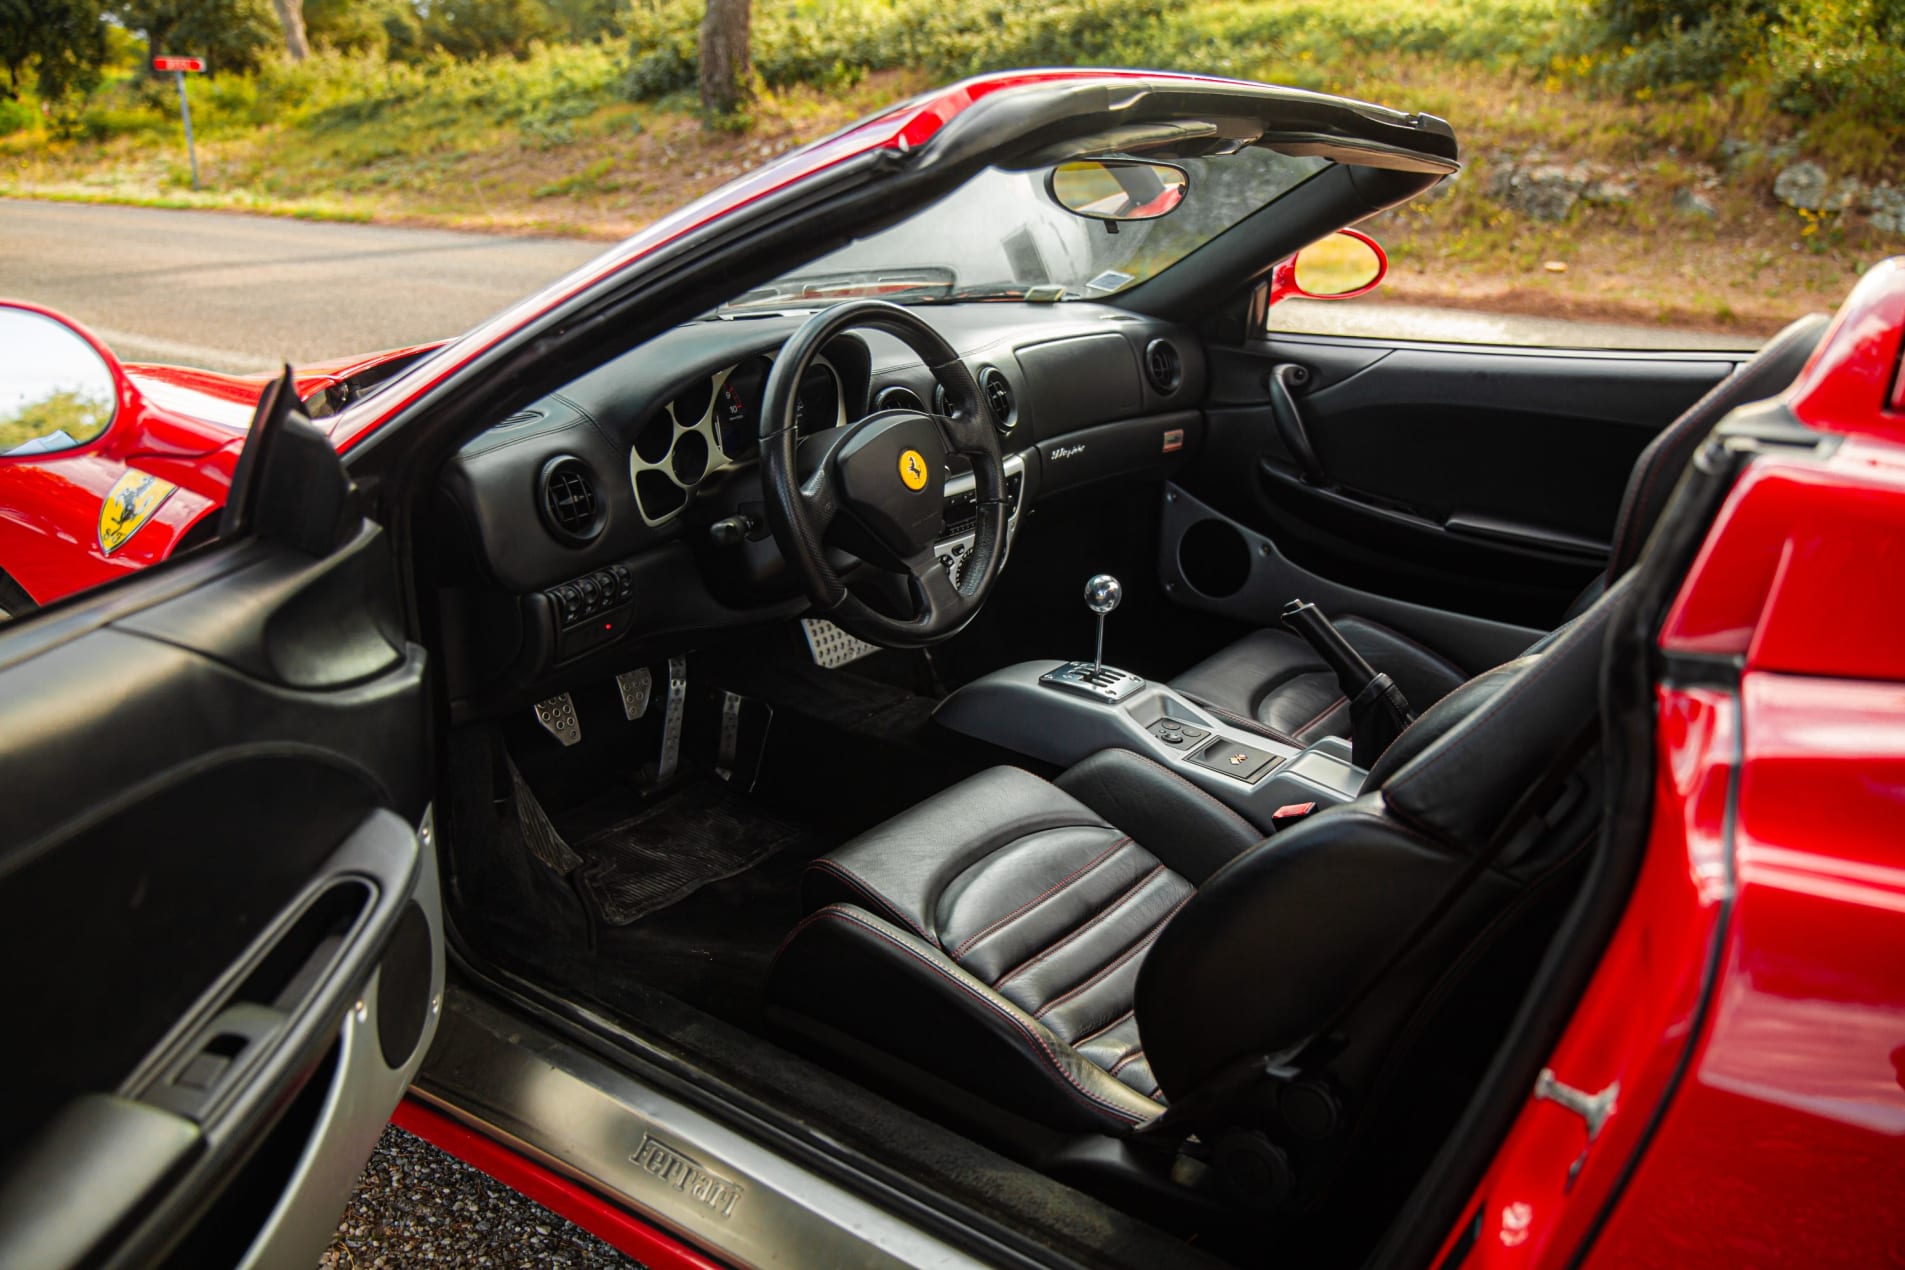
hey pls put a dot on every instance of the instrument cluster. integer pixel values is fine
(715, 426)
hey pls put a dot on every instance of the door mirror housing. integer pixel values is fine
(1342, 266)
(1117, 189)
(59, 387)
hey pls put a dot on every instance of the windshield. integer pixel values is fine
(1000, 236)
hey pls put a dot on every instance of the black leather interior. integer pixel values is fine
(1271, 678)
(1274, 679)
(1088, 952)
(993, 934)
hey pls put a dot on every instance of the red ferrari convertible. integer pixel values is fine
(655, 744)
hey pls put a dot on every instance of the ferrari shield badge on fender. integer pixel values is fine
(130, 504)
(913, 470)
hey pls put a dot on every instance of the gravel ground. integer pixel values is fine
(417, 1206)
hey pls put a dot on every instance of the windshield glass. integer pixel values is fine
(1000, 235)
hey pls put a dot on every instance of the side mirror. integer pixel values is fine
(59, 388)
(1117, 189)
(1347, 264)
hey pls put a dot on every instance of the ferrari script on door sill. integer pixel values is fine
(667, 1164)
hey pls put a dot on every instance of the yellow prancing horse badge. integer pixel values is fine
(130, 504)
(912, 470)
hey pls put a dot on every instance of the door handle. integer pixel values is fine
(1281, 383)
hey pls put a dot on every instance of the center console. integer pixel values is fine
(1063, 712)
(1019, 709)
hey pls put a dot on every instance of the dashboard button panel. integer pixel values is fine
(590, 609)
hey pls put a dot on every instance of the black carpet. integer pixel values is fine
(662, 855)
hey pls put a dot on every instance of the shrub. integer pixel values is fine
(15, 116)
(1814, 55)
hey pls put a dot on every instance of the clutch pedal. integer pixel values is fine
(558, 718)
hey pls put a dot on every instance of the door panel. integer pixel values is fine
(218, 917)
(1479, 479)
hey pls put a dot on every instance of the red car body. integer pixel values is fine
(180, 425)
(1730, 1089)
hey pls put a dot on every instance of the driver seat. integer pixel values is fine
(1271, 681)
(1088, 951)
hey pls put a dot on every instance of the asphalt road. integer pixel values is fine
(245, 293)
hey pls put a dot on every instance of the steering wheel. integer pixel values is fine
(875, 490)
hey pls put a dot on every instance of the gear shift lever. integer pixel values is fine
(1105, 684)
(1103, 593)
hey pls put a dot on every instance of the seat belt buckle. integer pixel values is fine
(1288, 814)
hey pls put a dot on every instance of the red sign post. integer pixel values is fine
(180, 68)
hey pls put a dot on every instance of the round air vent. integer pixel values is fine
(1163, 366)
(898, 397)
(570, 505)
(998, 394)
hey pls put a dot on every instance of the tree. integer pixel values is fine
(469, 29)
(61, 42)
(727, 67)
(291, 18)
(230, 34)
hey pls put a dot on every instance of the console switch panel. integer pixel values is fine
(1178, 734)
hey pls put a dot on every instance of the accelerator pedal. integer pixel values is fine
(832, 647)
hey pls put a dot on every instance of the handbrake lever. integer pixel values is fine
(1378, 712)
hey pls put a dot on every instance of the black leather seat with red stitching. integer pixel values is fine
(1083, 952)
(1273, 680)
(996, 930)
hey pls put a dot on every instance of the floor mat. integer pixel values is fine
(664, 854)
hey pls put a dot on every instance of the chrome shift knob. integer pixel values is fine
(1103, 593)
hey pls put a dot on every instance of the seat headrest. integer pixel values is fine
(1767, 373)
(1495, 739)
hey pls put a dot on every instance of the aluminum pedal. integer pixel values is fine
(558, 718)
(636, 686)
(832, 647)
(671, 720)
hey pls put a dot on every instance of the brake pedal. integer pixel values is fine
(636, 686)
(558, 718)
(671, 720)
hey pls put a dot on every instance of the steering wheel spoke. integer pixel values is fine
(819, 498)
(940, 599)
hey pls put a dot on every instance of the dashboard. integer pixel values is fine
(621, 517)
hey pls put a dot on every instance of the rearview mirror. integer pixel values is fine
(58, 391)
(1117, 189)
(1348, 263)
